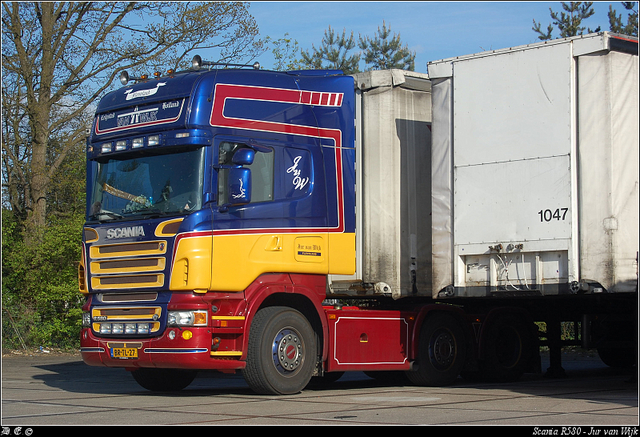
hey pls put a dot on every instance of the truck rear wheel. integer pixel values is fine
(281, 352)
(164, 379)
(508, 345)
(618, 357)
(442, 351)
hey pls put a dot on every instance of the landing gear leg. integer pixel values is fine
(554, 331)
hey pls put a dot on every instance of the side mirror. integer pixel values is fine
(243, 157)
(239, 186)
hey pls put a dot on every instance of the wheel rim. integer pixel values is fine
(288, 351)
(442, 350)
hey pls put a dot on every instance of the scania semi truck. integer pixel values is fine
(298, 225)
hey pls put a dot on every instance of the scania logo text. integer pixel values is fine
(133, 231)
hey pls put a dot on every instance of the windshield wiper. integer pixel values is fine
(109, 214)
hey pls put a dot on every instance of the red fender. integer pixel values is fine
(273, 288)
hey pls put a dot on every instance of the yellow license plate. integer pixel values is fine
(124, 353)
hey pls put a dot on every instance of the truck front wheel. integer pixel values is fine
(281, 352)
(442, 351)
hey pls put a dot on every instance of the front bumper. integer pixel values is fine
(190, 348)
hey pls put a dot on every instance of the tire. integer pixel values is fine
(508, 347)
(164, 380)
(281, 353)
(441, 353)
(618, 357)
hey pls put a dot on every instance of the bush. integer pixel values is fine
(40, 298)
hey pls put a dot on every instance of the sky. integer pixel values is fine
(433, 30)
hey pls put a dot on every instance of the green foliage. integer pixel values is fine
(40, 299)
(615, 20)
(383, 52)
(333, 54)
(568, 22)
(284, 52)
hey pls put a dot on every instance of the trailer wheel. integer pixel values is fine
(442, 351)
(508, 345)
(281, 352)
(618, 357)
(164, 379)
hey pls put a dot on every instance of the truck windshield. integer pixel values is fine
(146, 185)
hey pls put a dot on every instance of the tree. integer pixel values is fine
(60, 58)
(334, 50)
(384, 52)
(615, 20)
(568, 22)
(284, 52)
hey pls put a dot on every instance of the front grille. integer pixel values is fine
(128, 297)
(128, 265)
(128, 249)
(117, 320)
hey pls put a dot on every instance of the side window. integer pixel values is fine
(262, 177)
(262, 172)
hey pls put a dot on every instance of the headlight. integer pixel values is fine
(154, 140)
(86, 320)
(187, 318)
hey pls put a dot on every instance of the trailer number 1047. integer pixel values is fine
(547, 215)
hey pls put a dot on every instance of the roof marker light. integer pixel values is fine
(125, 78)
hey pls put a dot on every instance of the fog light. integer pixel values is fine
(186, 334)
(117, 328)
(130, 328)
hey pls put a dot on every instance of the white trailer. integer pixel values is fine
(535, 169)
(509, 171)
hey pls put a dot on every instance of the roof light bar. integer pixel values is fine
(197, 63)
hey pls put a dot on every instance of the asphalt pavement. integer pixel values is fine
(40, 389)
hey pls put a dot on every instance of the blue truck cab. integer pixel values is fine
(199, 183)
